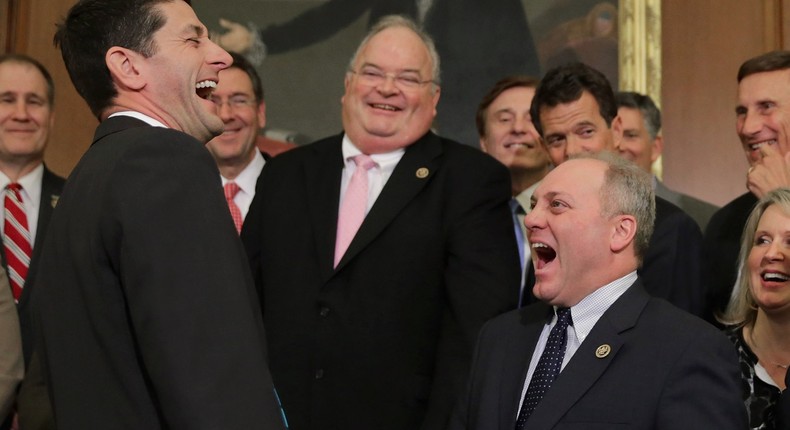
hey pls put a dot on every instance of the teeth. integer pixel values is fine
(756, 146)
(385, 107)
(539, 245)
(206, 84)
(775, 276)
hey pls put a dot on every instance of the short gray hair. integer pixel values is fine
(391, 21)
(627, 190)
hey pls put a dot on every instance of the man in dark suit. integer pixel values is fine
(28, 96)
(575, 111)
(613, 356)
(373, 325)
(763, 121)
(142, 300)
(642, 143)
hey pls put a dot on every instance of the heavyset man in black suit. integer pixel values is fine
(627, 360)
(143, 302)
(383, 338)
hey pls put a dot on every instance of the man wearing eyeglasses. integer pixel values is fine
(240, 104)
(380, 252)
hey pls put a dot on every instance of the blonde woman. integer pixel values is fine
(758, 314)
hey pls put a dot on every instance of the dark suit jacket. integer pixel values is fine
(700, 210)
(672, 268)
(384, 341)
(720, 249)
(666, 370)
(143, 300)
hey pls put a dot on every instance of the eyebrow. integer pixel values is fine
(194, 29)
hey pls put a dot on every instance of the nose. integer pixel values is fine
(224, 111)
(218, 57)
(20, 111)
(574, 147)
(775, 251)
(533, 220)
(750, 123)
(387, 85)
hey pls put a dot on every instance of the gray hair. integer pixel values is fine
(391, 21)
(650, 112)
(627, 190)
(742, 308)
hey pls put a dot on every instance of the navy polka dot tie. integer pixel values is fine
(548, 366)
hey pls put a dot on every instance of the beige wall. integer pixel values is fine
(704, 42)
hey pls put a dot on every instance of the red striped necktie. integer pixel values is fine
(16, 239)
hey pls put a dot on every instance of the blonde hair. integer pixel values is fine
(742, 308)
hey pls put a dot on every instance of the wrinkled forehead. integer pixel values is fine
(397, 48)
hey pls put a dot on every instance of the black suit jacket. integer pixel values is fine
(384, 341)
(721, 246)
(666, 370)
(143, 301)
(672, 264)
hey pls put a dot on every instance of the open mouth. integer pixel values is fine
(386, 107)
(544, 254)
(774, 277)
(757, 145)
(205, 88)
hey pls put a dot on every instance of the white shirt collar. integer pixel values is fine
(141, 116)
(249, 176)
(31, 184)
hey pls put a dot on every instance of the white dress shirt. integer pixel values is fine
(246, 181)
(377, 176)
(31, 198)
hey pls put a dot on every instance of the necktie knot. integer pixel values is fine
(364, 161)
(564, 317)
(231, 189)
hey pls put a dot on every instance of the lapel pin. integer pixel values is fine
(54, 201)
(603, 351)
(422, 172)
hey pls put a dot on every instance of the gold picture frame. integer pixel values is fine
(640, 47)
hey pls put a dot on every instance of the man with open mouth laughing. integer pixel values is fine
(598, 352)
(143, 298)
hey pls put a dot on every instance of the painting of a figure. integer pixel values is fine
(303, 48)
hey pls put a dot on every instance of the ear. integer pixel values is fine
(483, 145)
(623, 233)
(261, 114)
(437, 91)
(125, 67)
(617, 131)
(657, 149)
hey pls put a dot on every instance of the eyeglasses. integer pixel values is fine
(235, 102)
(374, 77)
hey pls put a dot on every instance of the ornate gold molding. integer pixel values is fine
(640, 47)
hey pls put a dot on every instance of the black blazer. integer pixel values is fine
(666, 370)
(143, 300)
(384, 341)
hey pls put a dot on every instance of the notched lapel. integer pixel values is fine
(585, 368)
(414, 171)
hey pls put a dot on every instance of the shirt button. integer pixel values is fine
(324, 311)
(319, 373)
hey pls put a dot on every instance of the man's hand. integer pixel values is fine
(237, 38)
(770, 172)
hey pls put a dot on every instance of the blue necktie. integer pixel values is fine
(516, 209)
(548, 366)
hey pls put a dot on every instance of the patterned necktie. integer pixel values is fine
(16, 239)
(231, 189)
(548, 366)
(353, 206)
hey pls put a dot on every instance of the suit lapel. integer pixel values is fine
(51, 187)
(585, 368)
(416, 168)
(323, 172)
(516, 361)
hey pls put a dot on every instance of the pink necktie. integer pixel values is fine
(353, 206)
(16, 239)
(231, 189)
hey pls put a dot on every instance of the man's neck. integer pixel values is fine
(230, 169)
(16, 170)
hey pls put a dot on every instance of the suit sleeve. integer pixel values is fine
(482, 276)
(189, 294)
(11, 363)
(703, 390)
